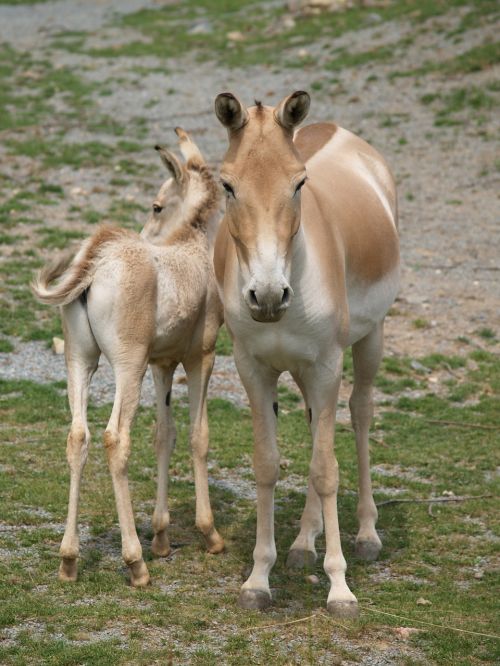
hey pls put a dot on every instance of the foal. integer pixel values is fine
(139, 303)
(307, 262)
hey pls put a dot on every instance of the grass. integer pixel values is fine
(461, 104)
(189, 613)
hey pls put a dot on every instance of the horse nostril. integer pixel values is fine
(253, 297)
(286, 296)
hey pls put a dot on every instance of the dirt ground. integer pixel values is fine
(447, 179)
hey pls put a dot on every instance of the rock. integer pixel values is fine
(405, 632)
(201, 28)
(303, 53)
(236, 36)
(314, 580)
(58, 346)
(423, 602)
(416, 365)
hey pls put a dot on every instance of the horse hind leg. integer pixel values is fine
(117, 442)
(302, 554)
(164, 445)
(82, 356)
(366, 354)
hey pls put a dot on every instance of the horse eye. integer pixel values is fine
(228, 188)
(157, 208)
(300, 185)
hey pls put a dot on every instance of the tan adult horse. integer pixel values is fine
(307, 263)
(139, 300)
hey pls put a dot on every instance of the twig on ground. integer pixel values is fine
(431, 624)
(346, 428)
(283, 624)
(420, 500)
(460, 424)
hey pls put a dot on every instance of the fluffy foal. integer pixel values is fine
(139, 300)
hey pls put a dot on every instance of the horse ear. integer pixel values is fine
(293, 109)
(171, 162)
(189, 149)
(230, 111)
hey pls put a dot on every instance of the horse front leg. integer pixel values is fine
(198, 373)
(260, 383)
(322, 387)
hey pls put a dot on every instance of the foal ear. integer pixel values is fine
(293, 109)
(189, 149)
(230, 111)
(171, 162)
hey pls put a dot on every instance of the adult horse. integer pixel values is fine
(307, 263)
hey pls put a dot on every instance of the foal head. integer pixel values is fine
(190, 195)
(262, 174)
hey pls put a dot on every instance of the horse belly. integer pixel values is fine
(368, 304)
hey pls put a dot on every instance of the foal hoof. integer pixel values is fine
(160, 546)
(367, 550)
(139, 574)
(215, 543)
(343, 609)
(300, 559)
(254, 599)
(68, 570)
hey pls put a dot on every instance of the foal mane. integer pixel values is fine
(197, 219)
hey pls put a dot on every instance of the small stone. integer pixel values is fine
(236, 36)
(78, 192)
(423, 602)
(416, 365)
(405, 632)
(314, 580)
(285, 463)
(303, 53)
(478, 575)
(58, 346)
(201, 28)
(448, 493)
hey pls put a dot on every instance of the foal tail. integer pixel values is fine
(75, 274)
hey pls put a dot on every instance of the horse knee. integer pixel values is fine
(267, 469)
(325, 475)
(77, 445)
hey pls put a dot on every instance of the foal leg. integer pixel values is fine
(198, 373)
(322, 388)
(366, 356)
(164, 445)
(82, 356)
(117, 442)
(260, 384)
(302, 553)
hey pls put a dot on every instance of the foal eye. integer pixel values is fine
(228, 188)
(300, 185)
(157, 208)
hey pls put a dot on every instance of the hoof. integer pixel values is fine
(343, 609)
(215, 543)
(139, 574)
(160, 546)
(68, 570)
(300, 559)
(254, 599)
(367, 550)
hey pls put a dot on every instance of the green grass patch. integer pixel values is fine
(446, 557)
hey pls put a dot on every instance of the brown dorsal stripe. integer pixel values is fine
(308, 143)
